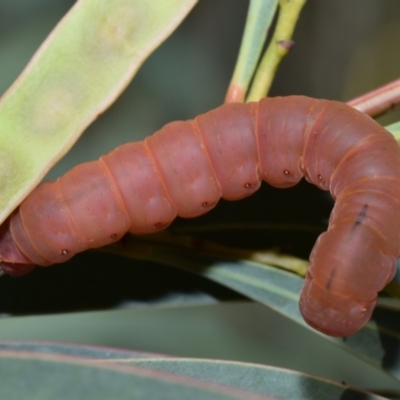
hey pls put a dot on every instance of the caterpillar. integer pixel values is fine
(187, 166)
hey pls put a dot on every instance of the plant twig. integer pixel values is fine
(378, 101)
(279, 46)
(169, 248)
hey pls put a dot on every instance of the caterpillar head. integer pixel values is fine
(332, 313)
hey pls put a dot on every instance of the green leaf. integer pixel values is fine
(78, 351)
(378, 342)
(34, 375)
(277, 382)
(80, 69)
(258, 22)
(237, 376)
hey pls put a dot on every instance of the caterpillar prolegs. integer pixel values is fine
(186, 167)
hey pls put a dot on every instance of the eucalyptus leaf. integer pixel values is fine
(74, 350)
(271, 381)
(258, 22)
(237, 376)
(27, 375)
(378, 343)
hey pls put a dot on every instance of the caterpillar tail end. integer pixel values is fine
(332, 313)
(12, 261)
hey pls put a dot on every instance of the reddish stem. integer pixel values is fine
(235, 94)
(378, 101)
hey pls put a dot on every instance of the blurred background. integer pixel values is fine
(343, 48)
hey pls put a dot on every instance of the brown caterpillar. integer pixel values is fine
(186, 167)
